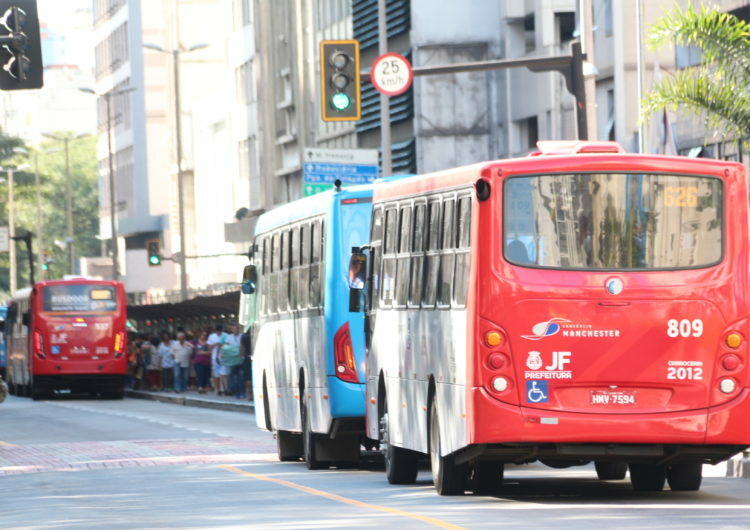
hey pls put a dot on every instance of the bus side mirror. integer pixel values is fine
(249, 279)
(356, 277)
(26, 319)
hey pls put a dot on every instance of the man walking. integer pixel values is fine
(230, 357)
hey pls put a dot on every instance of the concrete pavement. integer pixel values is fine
(191, 398)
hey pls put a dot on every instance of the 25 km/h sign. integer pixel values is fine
(391, 74)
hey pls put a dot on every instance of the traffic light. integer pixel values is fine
(339, 78)
(153, 249)
(21, 49)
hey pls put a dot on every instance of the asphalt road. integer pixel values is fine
(143, 464)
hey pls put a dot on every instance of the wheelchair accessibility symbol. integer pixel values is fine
(537, 392)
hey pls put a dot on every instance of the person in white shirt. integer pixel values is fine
(215, 340)
(183, 353)
(167, 362)
(231, 359)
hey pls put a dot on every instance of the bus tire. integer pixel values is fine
(448, 477)
(309, 442)
(685, 477)
(647, 477)
(611, 470)
(487, 477)
(289, 446)
(401, 465)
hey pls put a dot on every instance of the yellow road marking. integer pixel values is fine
(6, 444)
(345, 500)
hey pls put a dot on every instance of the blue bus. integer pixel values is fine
(308, 349)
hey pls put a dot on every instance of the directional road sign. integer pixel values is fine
(322, 167)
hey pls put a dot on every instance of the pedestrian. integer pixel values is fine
(215, 340)
(183, 352)
(246, 351)
(134, 360)
(147, 350)
(202, 362)
(153, 368)
(231, 359)
(167, 362)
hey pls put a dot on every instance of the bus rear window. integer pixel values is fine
(613, 221)
(78, 298)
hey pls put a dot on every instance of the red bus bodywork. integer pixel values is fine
(612, 365)
(69, 334)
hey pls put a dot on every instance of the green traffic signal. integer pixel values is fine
(340, 101)
(153, 252)
(154, 260)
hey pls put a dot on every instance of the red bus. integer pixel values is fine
(578, 305)
(68, 334)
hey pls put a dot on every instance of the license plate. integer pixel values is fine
(613, 397)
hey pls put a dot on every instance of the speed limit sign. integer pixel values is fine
(391, 74)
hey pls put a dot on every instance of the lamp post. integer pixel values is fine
(68, 194)
(113, 225)
(11, 226)
(178, 140)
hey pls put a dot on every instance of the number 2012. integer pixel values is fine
(684, 328)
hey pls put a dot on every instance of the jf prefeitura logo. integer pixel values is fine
(566, 328)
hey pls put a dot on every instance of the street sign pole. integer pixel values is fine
(385, 106)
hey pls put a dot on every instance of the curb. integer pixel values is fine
(190, 401)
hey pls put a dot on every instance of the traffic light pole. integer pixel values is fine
(385, 105)
(570, 66)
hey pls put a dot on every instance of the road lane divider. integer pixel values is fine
(338, 498)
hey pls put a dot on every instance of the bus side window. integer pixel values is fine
(263, 280)
(376, 236)
(315, 265)
(404, 247)
(417, 255)
(303, 287)
(295, 268)
(433, 255)
(448, 255)
(274, 276)
(388, 275)
(463, 229)
(322, 291)
(284, 272)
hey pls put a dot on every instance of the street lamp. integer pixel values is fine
(68, 193)
(11, 225)
(180, 199)
(113, 226)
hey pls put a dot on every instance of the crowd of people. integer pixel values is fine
(202, 359)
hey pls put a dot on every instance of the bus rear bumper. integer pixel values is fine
(497, 422)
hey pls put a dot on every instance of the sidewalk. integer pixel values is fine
(191, 398)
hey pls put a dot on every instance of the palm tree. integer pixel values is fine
(718, 87)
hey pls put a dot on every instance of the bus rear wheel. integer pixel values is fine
(685, 477)
(448, 477)
(401, 465)
(647, 477)
(611, 470)
(309, 441)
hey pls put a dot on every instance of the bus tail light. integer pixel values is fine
(497, 361)
(730, 362)
(39, 345)
(500, 384)
(346, 364)
(494, 367)
(733, 340)
(119, 346)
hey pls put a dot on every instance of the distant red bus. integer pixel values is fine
(579, 305)
(68, 334)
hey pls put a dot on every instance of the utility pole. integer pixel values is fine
(586, 18)
(385, 106)
(178, 147)
(39, 220)
(12, 234)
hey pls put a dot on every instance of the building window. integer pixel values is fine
(566, 26)
(243, 14)
(529, 33)
(245, 83)
(687, 56)
(112, 52)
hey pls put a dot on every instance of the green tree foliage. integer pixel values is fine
(51, 166)
(718, 87)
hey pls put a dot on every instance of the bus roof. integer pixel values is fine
(575, 159)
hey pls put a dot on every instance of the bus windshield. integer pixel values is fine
(613, 221)
(79, 298)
